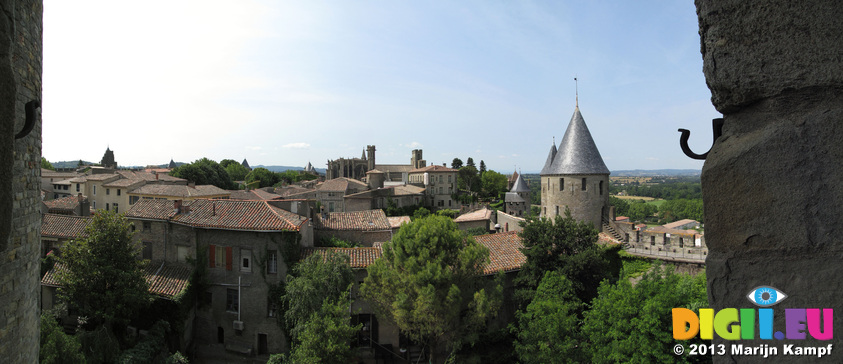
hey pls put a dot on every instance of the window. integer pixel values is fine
(245, 260)
(219, 257)
(116, 208)
(107, 207)
(652, 240)
(65, 187)
(182, 253)
(561, 184)
(441, 203)
(449, 178)
(147, 250)
(95, 190)
(94, 204)
(557, 209)
(601, 188)
(133, 200)
(107, 191)
(118, 191)
(271, 308)
(147, 226)
(231, 300)
(583, 184)
(77, 187)
(330, 207)
(440, 178)
(272, 262)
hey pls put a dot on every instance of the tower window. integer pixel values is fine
(583, 184)
(601, 188)
(557, 209)
(561, 184)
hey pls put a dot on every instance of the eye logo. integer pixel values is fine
(765, 296)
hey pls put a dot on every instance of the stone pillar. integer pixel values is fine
(20, 175)
(773, 183)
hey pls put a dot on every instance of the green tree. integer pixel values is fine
(493, 184)
(428, 283)
(421, 213)
(567, 246)
(235, 170)
(261, 177)
(316, 279)
(204, 172)
(103, 278)
(56, 346)
(468, 179)
(469, 162)
(621, 206)
(631, 324)
(326, 335)
(456, 163)
(46, 164)
(482, 167)
(549, 329)
(640, 210)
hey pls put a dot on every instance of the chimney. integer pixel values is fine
(177, 206)
(214, 211)
(156, 176)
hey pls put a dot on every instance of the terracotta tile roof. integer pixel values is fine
(124, 182)
(64, 204)
(179, 191)
(239, 215)
(662, 229)
(434, 168)
(165, 281)
(360, 257)
(102, 177)
(151, 209)
(396, 221)
(404, 190)
(341, 184)
(368, 220)
(263, 195)
(479, 215)
(679, 223)
(504, 252)
(64, 226)
(220, 214)
(290, 191)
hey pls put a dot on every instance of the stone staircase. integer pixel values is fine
(607, 228)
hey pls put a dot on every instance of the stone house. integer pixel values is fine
(440, 185)
(171, 192)
(241, 243)
(517, 200)
(506, 222)
(361, 227)
(71, 205)
(477, 219)
(331, 194)
(380, 198)
(110, 191)
(58, 229)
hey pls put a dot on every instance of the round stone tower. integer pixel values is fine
(575, 177)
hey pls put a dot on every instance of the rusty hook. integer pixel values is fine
(717, 128)
(30, 118)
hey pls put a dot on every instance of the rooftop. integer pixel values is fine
(368, 220)
(360, 257)
(679, 223)
(67, 204)
(179, 191)
(396, 221)
(479, 215)
(166, 280)
(64, 226)
(433, 168)
(220, 214)
(504, 252)
(577, 152)
(341, 184)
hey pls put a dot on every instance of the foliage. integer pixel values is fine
(447, 212)
(336, 242)
(427, 282)
(99, 345)
(261, 177)
(669, 189)
(563, 245)
(204, 172)
(420, 213)
(151, 349)
(629, 323)
(482, 167)
(326, 335)
(236, 171)
(634, 266)
(456, 163)
(477, 231)
(46, 164)
(56, 346)
(548, 330)
(621, 206)
(492, 183)
(469, 162)
(316, 279)
(103, 278)
(177, 358)
(673, 210)
(392, 209)
(468, 179)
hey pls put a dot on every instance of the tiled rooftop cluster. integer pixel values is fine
(64, 226)
(369, 220)
(166, 280)
(222, 214)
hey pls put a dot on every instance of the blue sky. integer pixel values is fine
(287, 82)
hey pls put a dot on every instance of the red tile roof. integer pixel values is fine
(360, 257)
(504, 252)
(368, 220)
(396, 221)
(64, 204)
(64, 226)
(165, 281)
(341, 184)
(479, 215)
(179, 191)
(220, 214)
(434, 168)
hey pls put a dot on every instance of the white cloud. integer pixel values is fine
(415, 145)
(299, 145)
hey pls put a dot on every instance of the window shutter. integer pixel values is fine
(228, 256)
(212, 255)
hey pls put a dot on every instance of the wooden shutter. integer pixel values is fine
(212, 255)
(228, 257)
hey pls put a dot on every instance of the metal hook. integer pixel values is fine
(717, 128)
(30, 118)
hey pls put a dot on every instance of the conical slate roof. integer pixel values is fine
(519, 185)
(577, 152)
(549, 163)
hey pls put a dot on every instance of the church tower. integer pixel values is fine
(575, 177)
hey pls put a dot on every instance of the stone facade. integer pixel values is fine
(20, 180)
(585, 195)
(772, 183)
(508, 222)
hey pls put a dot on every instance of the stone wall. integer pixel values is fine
(586, 205)
(20, 180)
(772, 183)
(509, 222)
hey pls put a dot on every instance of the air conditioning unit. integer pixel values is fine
(238, 325)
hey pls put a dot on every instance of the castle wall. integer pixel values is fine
(20, 180)
(585, 204)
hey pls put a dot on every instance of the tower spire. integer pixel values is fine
(577, 91)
